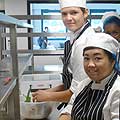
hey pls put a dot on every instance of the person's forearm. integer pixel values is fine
(45, 95)
(63, 96)
(56, 89)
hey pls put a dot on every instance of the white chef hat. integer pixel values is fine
(72, 3)
(109, 14)
(103, 41)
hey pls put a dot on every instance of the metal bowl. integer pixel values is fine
(35, 110)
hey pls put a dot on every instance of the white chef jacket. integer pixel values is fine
(111, 109)
(76, 60)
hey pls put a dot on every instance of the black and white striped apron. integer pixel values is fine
(66, 74)
(89, 103)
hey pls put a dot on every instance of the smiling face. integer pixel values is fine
(97, 64)
(74, 18)
(113, 29)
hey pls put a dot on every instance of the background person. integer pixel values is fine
(98, 97)
(43, 41)
(111, 24)
(74, 16)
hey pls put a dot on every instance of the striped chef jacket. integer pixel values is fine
(111, 108)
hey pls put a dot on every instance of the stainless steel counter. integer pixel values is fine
(7, 91)
(5, 71)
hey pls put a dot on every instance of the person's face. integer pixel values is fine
(97, 64)
(73, 18)
(113, 30)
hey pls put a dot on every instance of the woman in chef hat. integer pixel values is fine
(111, 24)
(98, 97)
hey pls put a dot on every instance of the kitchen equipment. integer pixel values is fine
(35, 110)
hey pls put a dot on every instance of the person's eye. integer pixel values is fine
(74, 13)
(64, 14)
(97, 58)
(86, 58)
(115, 33)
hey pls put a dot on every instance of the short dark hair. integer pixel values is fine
(82, 9)
(46, 27)
(111, 19)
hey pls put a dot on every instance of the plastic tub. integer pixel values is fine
(35, 110)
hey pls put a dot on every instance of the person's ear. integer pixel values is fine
(86, 14)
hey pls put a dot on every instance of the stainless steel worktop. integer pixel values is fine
(6, 90)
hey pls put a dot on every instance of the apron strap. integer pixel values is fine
(67, 75)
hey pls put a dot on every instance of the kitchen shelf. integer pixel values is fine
(43, 69)
(24, 60)
(8, 21)
(5, 90)
(12, 66)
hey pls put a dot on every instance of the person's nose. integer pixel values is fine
(69, 17)
(91, 63)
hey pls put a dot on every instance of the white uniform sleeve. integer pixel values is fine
(74, 85)
(115, 107)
